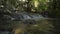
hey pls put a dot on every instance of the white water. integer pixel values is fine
(26, 16)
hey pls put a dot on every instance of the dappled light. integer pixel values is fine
(36, 3)
(29, 17)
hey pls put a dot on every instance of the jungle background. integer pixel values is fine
(10, 21)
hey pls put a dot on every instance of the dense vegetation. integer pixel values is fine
(47, 8)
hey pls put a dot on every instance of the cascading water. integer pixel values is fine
(21, 17)
(26, 16)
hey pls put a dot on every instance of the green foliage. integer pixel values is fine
(41, 27)
(53, 9)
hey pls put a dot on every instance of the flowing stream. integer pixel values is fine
(26, 16)
(21, 17)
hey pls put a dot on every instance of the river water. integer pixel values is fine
(20, 17)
